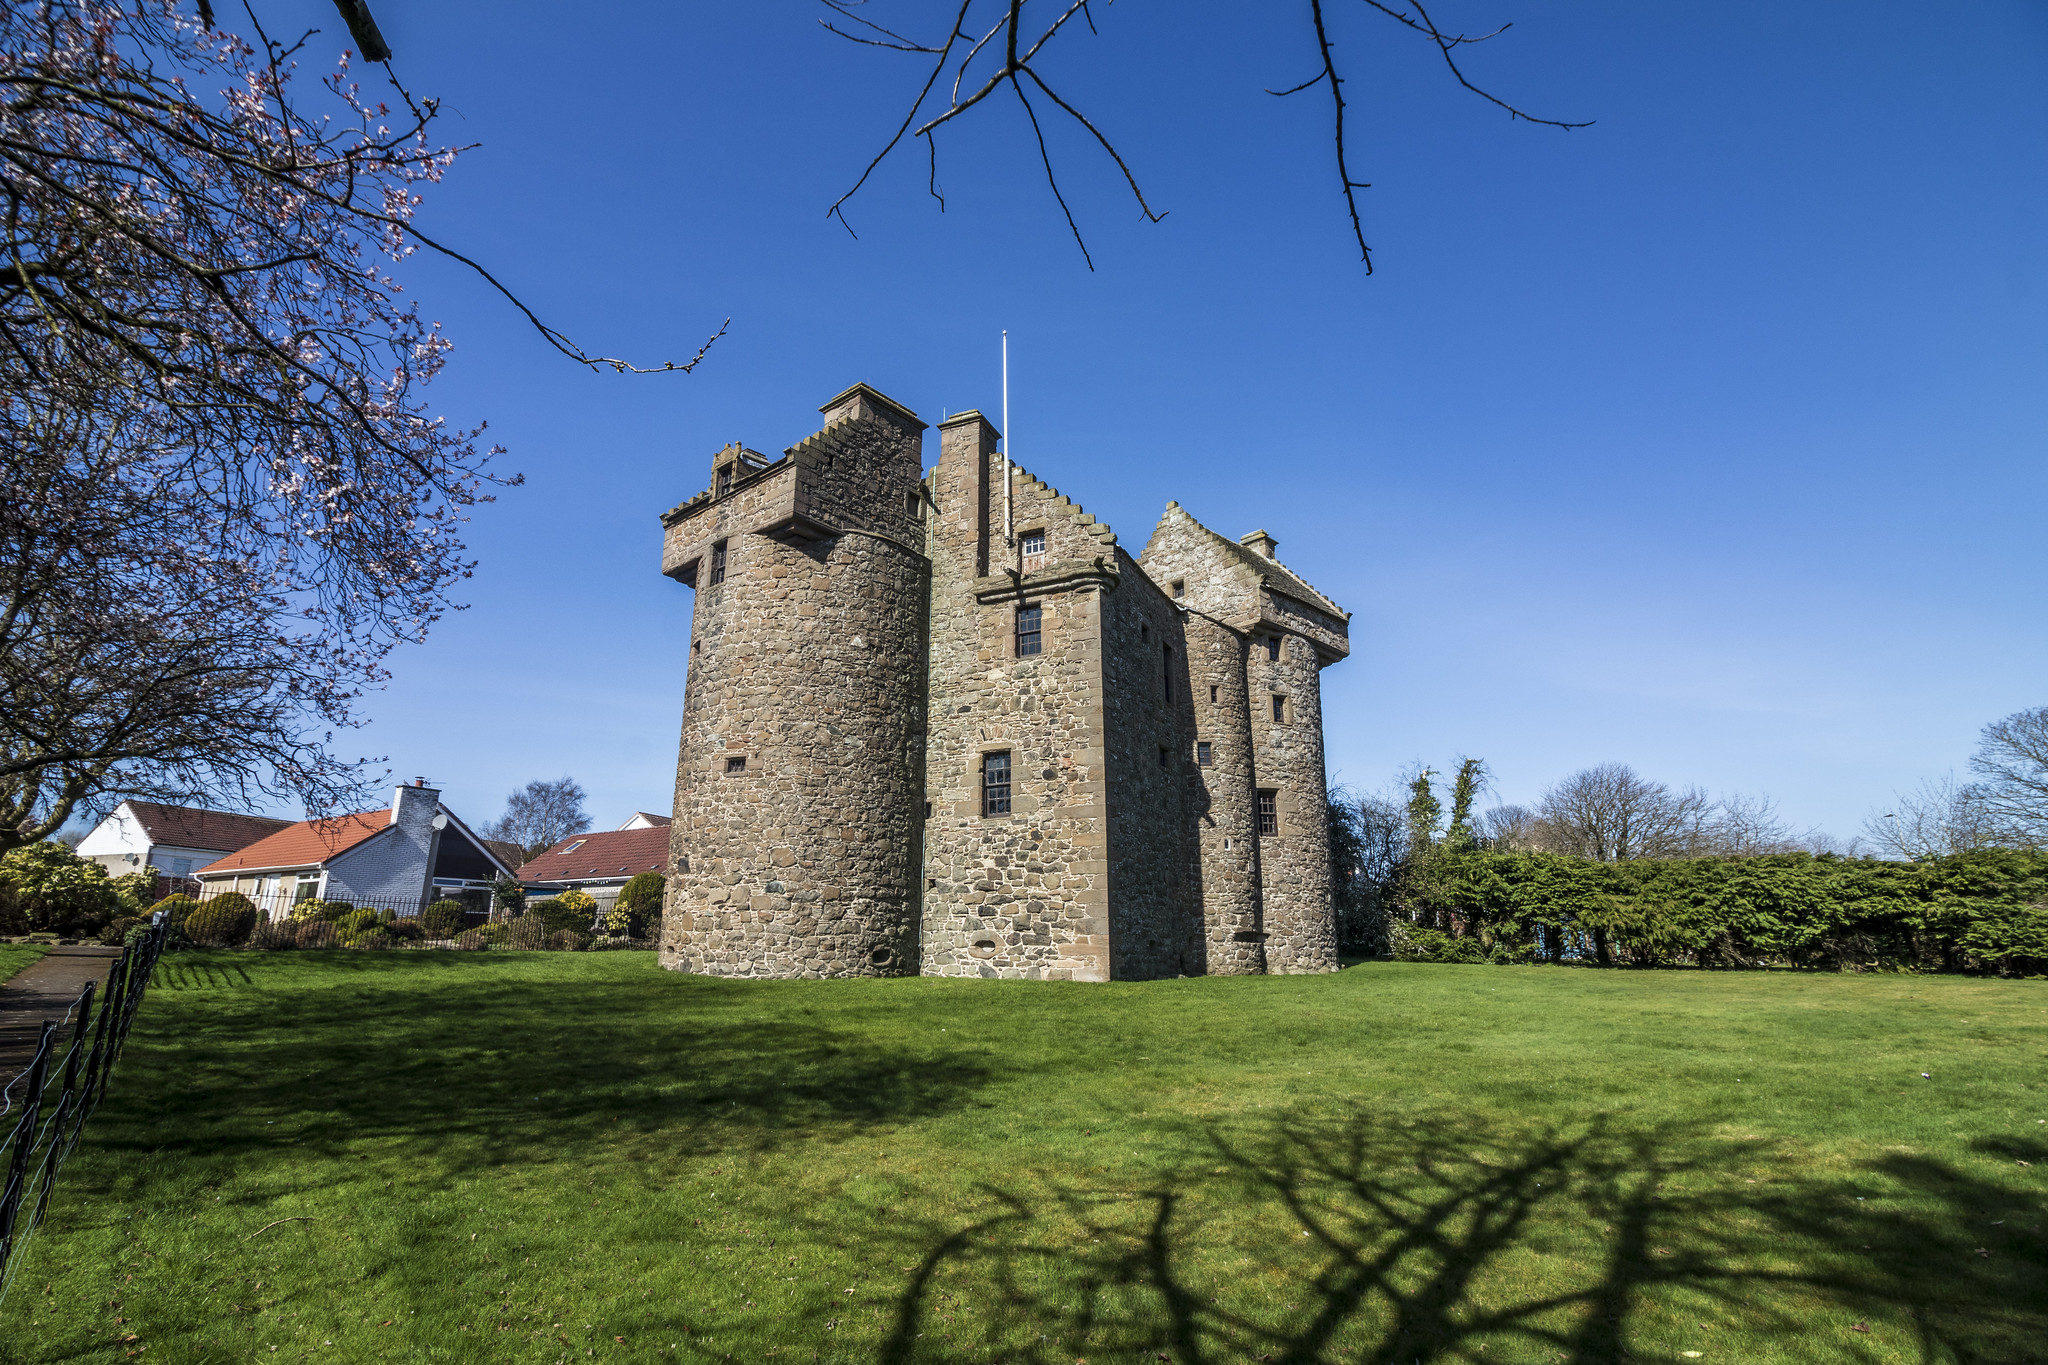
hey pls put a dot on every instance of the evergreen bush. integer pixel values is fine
(442, 919)
(222, 922)
(274, 935)
(317, 933)
(637, 911)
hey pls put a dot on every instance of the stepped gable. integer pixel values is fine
(1024, 482)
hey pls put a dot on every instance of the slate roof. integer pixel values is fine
(305, 843)
(616, 853)
(189, 827)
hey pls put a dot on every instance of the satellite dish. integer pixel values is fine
(440, 821)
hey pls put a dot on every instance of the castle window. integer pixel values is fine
(1269, 812)
(1180, 587)
(1030, 638)
(718, 563)
(995, 784)
(1144, 631)
(724, 479)
(1205, 753)
(1212, 694)
(1273, 648)
(913, 505)
(1162, 755)
(1166, 671)
(735, 765)
(1279, 709)
(1032, 543)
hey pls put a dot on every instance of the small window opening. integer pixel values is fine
(736, 765)
(928, 812)
(724, 479)
(913, 504)
(995, 784)
(718, 563)
(1205, 754)
(1144, 631)
(1162, 755)
(1273, 648)
(1030, 636)
(1166, 671)
(1032, 544)
(1180, 587)
(1212, 694)
(1279, 709)
(1269, 812)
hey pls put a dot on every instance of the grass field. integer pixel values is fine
(15, 956)
(552, 1157)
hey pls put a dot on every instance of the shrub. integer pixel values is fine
(133, 889)
(377, 937)
(329, 911)
(355, 922)
(116, 933)
(57, 891)
(638, 909)
(529, 931)
(472, 939)
(442, 919)
(317, 933)
(568, 941)
(573, 910)
(179, 907)
(407, 930)
(616, 942)
(221, 922)
(274, 935)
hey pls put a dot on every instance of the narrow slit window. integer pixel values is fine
(1279, 709)
(1166, 671)
(735, 765)
(1269, 813)
(1205, 754)
(1212, 694)
(1030, 634)
(724, 479)
(717, 563)
(995, 784)
(1162, 755)
(1032, 544)
(1273, 648)
(914, 505)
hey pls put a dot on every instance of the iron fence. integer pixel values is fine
(56, 1094)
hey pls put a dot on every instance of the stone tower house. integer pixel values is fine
(913, 745)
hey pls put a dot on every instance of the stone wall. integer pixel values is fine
(1023, 894)
(1301, 931)
(799, 782)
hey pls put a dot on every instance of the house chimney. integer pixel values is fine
(1259, 543)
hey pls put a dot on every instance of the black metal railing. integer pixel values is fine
(62, 1086)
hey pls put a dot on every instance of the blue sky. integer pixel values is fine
(1708, 438)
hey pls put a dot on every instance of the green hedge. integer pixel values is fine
(1981, 911)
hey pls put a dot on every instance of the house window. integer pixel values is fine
(573, 847)
(1279, 709)
(1212, 694)
(1273, 648)
(1269, 812)
(1030, 638)
(718, 563)
(724, 479)
(736, 765)
(1032, 543)
(1180, 587)
(308, 887)
(181, 867)
(995, 784)
(1205, 753)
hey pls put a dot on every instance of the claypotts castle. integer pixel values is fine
(948, 725)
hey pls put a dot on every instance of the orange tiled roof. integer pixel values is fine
(307, 843)
(619, 853)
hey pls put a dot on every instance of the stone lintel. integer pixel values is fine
(1061, 577)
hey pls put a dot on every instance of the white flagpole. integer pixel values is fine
(1009, 530)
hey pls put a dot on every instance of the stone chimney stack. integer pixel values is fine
(1259, 543)
(971, 440)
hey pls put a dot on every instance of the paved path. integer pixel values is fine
(44, 990)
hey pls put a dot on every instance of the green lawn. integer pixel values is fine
(550, 1157)
(15, 956)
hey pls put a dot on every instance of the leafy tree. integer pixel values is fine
(508, 897)
(57, 891)
(638, 905)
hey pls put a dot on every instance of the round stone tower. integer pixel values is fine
(799, 786)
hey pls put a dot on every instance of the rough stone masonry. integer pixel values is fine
(920, 736)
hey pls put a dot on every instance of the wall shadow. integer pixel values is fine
(1419, 1241)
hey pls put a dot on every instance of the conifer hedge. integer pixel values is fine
(1985, 911)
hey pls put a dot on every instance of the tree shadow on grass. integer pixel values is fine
(1390, 1242)
(487, 1069)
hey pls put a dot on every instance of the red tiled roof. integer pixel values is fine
(189, 827)
(620, 853)
(306, 843)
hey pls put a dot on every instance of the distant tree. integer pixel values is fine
(541, 815)
(2011, 764)
(1508, 828)
(1610, 813)
(1423, 813)
(1470, 781)
(1368, 846)
(1938, 818)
